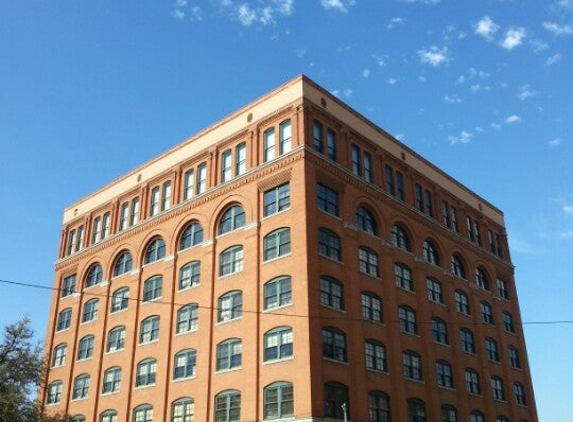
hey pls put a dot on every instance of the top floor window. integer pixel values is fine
(240, 159)
(201, 178)
(356, 163)
(365, 221)
(155, 251)
(226, 166)
(317, 136)
(166, 197)
(400, 238)
(276, 199)
(331, 147)
(285, 137)
(188, 184)
(232, 219)
(154, 201)
(269, 144)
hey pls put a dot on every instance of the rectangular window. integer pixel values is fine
(269, 145)
(201, 178)
(240, 159)
(498, 246)
(68, 285)
(331, 144)
(390, 181)
(446, 214)
(356, 165)
(285, 135)
(327, 199)
(189, 184)
(166, 202)
(368, 167)
(71, 242)
(154, 203)
(96, 230)
(455, 224)
(123, 216)
(226, 166)
(276, 199)
(429, 203)
(317, 136)
(470, 228)
(80, 238)
(105, 226)
(477, 232)
(134, 216)
(400, 186)
(490, 241)
(419, 198)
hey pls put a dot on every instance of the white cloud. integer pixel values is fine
(514, 118)
(452, 100)
(555, 142)
(513, 38)
(464, 137)
(366, 73)
(518, 244)
(567, 210)
(300, 52)
(178, 14)
(496, 126)
(479, 88)
(380, 61)
(392, 81)
(393, 22)
(486, 28)
(538, 45)
(525, 93)
(434, 56)
(473, 73)
(478, 129)
(338, 5)
(461, 79)
(261, 12)
(246, 15)
(551, 60)
(422, 78)
(557, 29)
(567, 4)
(348, 92)
(423, 1)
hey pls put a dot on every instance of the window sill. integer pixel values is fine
(271, 310)
(182, 379)
(278, 360)
(276, 258)
(182, 333)
(142, 387)
(341, 362)
(227, 321)
(148, 342)
(110, 393)
(224, 371)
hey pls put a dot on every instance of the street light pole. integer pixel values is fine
(344, 411)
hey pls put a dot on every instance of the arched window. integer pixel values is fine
(59, 355)
(457, 266)
(184, 364)
(155, 251)
(334, 344)
(375, 353)
(481, 279)
(229, 354)
(86, 347)
(232, 219)
(379, 406)
(111, 380)
(94, 276)
(497, 388)
(119, 299)
(285, 137)
(444, 374)
(439, 330)
(519, 391)
(146, 372)
(78, 418)
(115, 339)
(416, 410)
(187, 318)
(64, 319)
(123, 264)
(278, 343)
(508, 322)
(400, 238)
(365, 221)
(228, 406)
(143, 413)
(368, 261)
(81, 387)
(486, 312)
(462, 302)
(430, 253)
(54, 392)
(331, 293)
(476, 416)
(336, 398)
(513, 354)
(434, 288)
(90, 310)
(472, 381)
(403, 276)
(149, 330)
(449, 413)
(501, 418)
(191, 236)
(278, 401)
(371, 307)
(231, 260)
(278, 292)
(108, 416)
(190, 275)
(183, 410)
(329, 244)
(467, 340)
(412, 365)
(407, 318)
(276, 244)
(152, 288)
(230, 306)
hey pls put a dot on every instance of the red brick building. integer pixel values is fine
(292, 261)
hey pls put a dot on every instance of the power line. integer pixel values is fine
(344, 318)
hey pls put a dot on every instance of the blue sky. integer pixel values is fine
(482, 88)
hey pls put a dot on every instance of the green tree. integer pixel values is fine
(21, 370)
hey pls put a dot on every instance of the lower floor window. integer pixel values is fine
(278, 401)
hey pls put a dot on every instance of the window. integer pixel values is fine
(231, 260)
(329, 244)
(269, 144)
(123, 264)
(446, 214)
(86, 347)
(276, 244)
(285, 137)
(486, 313)
(519, 391)
(146, 371)
(188, 184)
(78, 418)
(240, 159)
(444, 376)
(501, 418)
(120, 299)
(491, 349)
(154, 202)
(403, 276)
(276, 199)
(481, 279)
(166, 196)
(429, 203)
(371, 307)
(108, 416)
(327, 199)
(134, 215)
(232, 219)
(143, 413)
(230, 306)
(229, 354)
(115, 339)
(336, 399)
(317, 136)
(94, 276)
(467, 340)
(508, 322)
(513, 354)
(189, 275)
(457, 267)
(278, 401)
(331, 293)
(155, 251)
(64, 319)
(59, 355)
(462, 302)
(228, 406)
(183, 410)
(226, 166)
(419, 198)
(187, 318)
(416, 411)
(434, 290)
(472, 381)
(412, 365)
(368, 261)
(497, 388)
(407, 318)
(105, 225)
(80, 238)
(54, 392)
(430, 253)
(439, 331)
(123, 216)
(68, 285)
(191, 236)
(333, 344)
(449, 413)
(278, 343)
(400, 238)
(90, 310)
(365, 221)
(277, 292)
(389, 175)
(149, 329)
(185, 364)
(375, 353)
(378, 407)
(368, 167)
(502, 289)
(356, 164)
(476, 416)
(96, 230)
(201, 178)
(455, 224)
(111, 380)
(152, 288)
(331, 146)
